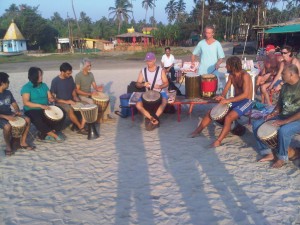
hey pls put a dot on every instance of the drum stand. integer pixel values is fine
(92, 131)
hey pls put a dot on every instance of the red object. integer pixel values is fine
(209, 85)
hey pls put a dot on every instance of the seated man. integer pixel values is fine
(6, 101)
(64, 89)
(84, 80)
(239, 104)
(286, 115)
(167, 62)
(153, 78)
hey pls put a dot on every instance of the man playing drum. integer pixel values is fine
(210, 53)
(239, 104)
(64, 89)
(36, 97)
(156, 80)
(286, 116)
(84, 80)
(6, 101)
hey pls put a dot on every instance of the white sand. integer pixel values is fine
(131, 176)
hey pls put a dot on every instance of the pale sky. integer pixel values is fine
(95, 9)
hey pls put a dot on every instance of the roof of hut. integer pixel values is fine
(13, 33)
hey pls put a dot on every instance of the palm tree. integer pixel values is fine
(171, 9)
(76, 17)
(121, 12)
(180, 10)
(147, 4)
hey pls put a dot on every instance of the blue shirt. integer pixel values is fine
(63, 88)
(208, 55)
(6, 99)
(37, 94)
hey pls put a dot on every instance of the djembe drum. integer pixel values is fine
(18, 126)
(267, 133)
(151, 101)
(192, 85)
(102, 101)
(218, 114)
(90, 113)
(209, 85)
(54, 114)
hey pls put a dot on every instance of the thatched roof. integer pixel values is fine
(133, 34)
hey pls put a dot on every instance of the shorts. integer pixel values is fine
(277, 83)
(65, 107)
(163, 95)
(3, 122)
(241, 107)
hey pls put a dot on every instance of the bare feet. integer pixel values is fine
(215, 144)
(278, 163)
(8, 151)
(193, 134)
(266, 158)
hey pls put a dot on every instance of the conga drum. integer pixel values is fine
(18, 126)
(209, 85)
(267, 133)
(90, 113)
(151, 101)
(102, 101)
(192, 85)
(218, 114)
(77, 106)
(54, 114)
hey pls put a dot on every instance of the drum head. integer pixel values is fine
(18, 122)
(219, 111)
(100, 96)
(208, 76)
(78, 106)
(151, 96)
(267, 130)
(192, 74)
(54, 113)
(89, 107)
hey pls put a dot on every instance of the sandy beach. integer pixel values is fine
(131, 176)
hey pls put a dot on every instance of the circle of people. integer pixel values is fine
(279, 73)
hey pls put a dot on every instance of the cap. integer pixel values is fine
(150, 56)
(270, 47)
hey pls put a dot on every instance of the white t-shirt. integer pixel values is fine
(167, 61)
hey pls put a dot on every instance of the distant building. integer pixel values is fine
(13, 41)
(147, 30)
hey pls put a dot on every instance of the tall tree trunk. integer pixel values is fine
(76, 18)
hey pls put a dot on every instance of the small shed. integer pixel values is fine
(13, 41)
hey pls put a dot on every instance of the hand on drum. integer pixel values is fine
(71, 102)
(18, 113)
(219, 98)
(10, 118)
(147, 85)
(100, 88)
(279, 123)
(154, 121)
(45, 107)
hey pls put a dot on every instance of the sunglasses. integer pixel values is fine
(283, 53)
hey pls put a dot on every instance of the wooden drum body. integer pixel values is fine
(89, 112)
(18, 126)
(151, 101)
(101, 100)
(192, 85)
(209, 85)
(267, 133)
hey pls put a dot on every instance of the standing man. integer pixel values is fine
(153, 78)
(167, 62)
(84, 80)
(286, 115)
(64, 89)
(239, 104)
(209, 51)
(6, 101)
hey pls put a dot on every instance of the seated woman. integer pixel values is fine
(36, 96)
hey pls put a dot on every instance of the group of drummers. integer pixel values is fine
(76, 100)
(48, 108)
(273, 133)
